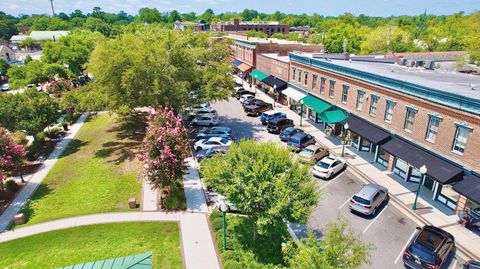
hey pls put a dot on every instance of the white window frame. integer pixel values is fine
(360, 99)
(345, 93)
(431, 133)
(412, 112)
(331, 88)
(314, 81)
(373, 105)
(461, 128)
(388, 117)
(294, 70)
(323, 82)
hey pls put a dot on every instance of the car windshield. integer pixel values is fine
(224, 141)
(361, 200)
(307, 151)
(323, 165)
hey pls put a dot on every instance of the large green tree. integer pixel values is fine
(34, 72)
(263, 181)
(157, 67)
(4, 66)
(72, 50)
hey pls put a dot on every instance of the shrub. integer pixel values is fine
(40, 136)
(217, 223)
(20, 137)
(171, 202)
(231, 264)
(11, 185)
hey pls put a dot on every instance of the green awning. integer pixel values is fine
(258, 75)
(315, 103)
(139, 261)
(333, 116)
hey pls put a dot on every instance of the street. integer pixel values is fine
(389, 230)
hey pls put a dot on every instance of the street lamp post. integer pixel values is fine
(224, 208)
(345, 129)
(301, 112)
(274, 94)
(423, 170)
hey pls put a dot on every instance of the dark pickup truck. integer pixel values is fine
(257, 108)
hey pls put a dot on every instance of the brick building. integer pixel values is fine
(268, 28)
(400, 117)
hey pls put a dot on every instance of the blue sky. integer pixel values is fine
(323, 7)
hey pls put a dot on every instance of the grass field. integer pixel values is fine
(92, 243)
(98, 172)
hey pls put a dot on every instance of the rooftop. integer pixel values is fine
(258, 40)
(275, 56)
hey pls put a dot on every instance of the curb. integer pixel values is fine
(462, 251)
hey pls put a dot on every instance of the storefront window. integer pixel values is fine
(401, 168)
(448, 196)
(354, 140)
(365, 145)
(383, 157)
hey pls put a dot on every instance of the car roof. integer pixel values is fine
(299, 135)
(313, 147)
(368, 191)
(329, 159)
(216, 138)
(271, 112)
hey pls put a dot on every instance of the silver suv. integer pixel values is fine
(368, 199)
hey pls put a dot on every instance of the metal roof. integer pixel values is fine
(138, 261)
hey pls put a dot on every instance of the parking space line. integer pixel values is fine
(348, 200)
(373, 221)
(332, 180)
(404, 247)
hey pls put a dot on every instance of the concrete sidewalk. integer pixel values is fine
(468, 243)
(195, 195)
(198, 249)
(37, 178)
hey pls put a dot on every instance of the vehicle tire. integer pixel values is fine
(198, 148)
(329, 176)
(374, 211)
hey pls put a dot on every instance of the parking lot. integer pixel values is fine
(389, 230)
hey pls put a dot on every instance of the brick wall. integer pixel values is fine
(273, 67)
(445, 135)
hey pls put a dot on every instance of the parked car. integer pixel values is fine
(246, 97)
(243, 92)
(208, 153)
(257, 108)
(224, 129)
(429, 248)
(5, 87)
(312, 153)
(368, 199)
(239, 88)
(206, 111)
(270, 115)
(277, 125)
(328, 166)
(299, 141)
(203, 104)
(251, 102)
(288, 132)
(201, 136)
(230, 207)
(471, 264)
(207, 120)
(212, 142)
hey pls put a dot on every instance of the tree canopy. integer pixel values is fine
(157, 67)
(263, 181)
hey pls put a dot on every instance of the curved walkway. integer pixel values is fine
(39, 176)
(198, 248)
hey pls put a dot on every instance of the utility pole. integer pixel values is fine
(53, 10)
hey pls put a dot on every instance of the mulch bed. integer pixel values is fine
(6, 197)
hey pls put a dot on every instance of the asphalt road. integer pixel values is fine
(388, 231)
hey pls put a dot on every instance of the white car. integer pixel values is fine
(206, 111)
(212, 142)
(5, 87)
(246, 97)
(327, 167)
(206, 120)
(221, 199)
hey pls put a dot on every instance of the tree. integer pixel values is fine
(157, 67)
(72, 50)
(95, 24)
(165, 148)
(31, 111)
(341, 248)
(264, 182)
(386, 38)
(4, 66)
(28, 43)
(173, 16)
(149, 15)
(208, 15)
(11, 155)
(35, 72)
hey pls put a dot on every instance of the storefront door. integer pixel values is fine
(401, 168)
(365, 145)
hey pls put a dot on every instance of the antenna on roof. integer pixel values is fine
(53, 10)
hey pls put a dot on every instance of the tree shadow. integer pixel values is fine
(73, 147)
(41, 191)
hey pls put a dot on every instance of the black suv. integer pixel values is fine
(429, 248)
(257, 108)
(278, 124)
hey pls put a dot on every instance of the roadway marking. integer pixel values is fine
(344, 203)
(332, 180)
(373, 221)
(404, 247)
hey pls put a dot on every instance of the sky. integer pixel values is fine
(322, 7)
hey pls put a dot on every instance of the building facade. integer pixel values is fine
(268, 28)
(403, 117)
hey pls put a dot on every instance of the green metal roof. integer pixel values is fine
(315, 103)
(138, 261)
(259, 75)
(333, 116)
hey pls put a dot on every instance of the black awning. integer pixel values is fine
(366, 130)
(276, 83)
(469, 187)
(440, 170)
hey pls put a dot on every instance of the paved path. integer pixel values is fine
(37, 178)
(149, 197)
(196, 201)
(197, 245)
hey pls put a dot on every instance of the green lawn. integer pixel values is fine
(97, 173)
(92, 243)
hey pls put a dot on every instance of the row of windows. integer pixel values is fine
(462, 130)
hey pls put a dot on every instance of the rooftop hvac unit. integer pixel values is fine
(429, 65)
(410, 63)
(419, 63)
(402, 62)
